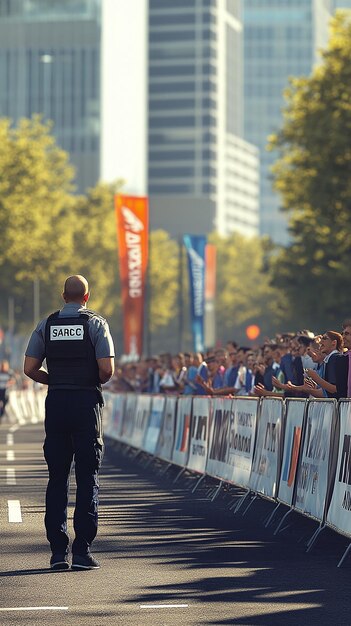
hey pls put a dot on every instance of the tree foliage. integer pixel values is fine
(163, 275)
(244, 293)
(313, 176)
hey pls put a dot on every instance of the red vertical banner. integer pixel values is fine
(210, 295)
(132, 234)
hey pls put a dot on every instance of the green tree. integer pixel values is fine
(35, 211)
(163, 275)
(312, 174)
(244, 293)
(95, 247)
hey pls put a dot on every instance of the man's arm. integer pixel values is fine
(33, 369)
(106, 367)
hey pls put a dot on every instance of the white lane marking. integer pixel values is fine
(164, 606)
(13, 428)
(10, 455)
(15, 514)
(9, 440)
(35, 608)
(10, 476)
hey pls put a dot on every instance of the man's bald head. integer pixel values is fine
(76, 289)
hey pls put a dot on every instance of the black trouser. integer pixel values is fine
(73, 430)
(3, 401)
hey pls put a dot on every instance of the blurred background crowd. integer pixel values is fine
(292, 364)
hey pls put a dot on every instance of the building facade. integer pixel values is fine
(281, 39)
(202, 175)
(50, 64)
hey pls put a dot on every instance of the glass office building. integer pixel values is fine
(50, 64)
(281, 39)
(202, 175)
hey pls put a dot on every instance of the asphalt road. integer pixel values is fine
(168, 557)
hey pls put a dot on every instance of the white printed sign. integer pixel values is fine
(339, 513)
(242, 434)
(67, 333)
(141, 420)
(154, 426)
(128, 418)
(166, 438)
(313, 470)
(266, 461)
(183, 420)
(217, 461)
(295, 409)
(117, 412)
(199, 435)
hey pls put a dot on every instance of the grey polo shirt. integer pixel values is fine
(98, 330)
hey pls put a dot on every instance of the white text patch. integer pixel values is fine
(59, 333)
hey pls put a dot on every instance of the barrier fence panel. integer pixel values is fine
(267, 456)
(165, 442)
(126, 433)
(339, 512)
(107, 412)
(294, 416)
(217, 460)
(242, 435)
(199, 434)
(154, 425)
(181, 442)
(117, 412)
(142, 413)
(313, 469)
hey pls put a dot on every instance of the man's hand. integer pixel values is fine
(33, 369)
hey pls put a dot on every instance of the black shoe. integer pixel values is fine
(59, 561)
(84, 562)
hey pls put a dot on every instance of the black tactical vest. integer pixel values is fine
(70, 354)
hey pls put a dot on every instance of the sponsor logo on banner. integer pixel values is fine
(195, 246)
(199, 434)
(265, 466)
(242, 432)
(339, 512)
(67, 333)
(166, 438)
(128, 418)
(117, 415)
(313, 471)
(154, 426)
(183, 420)
(132, 233)
(217, 461)
(141, 420)
(292, 440)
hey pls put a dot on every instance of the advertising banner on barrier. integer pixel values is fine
(242, 434)
(132, 234)
(266, 461)
(199, 434)
(182, 431)
(166, 438)
(128, 418)
(107, 412)
(141, 420)
(217, 460)
(154, 425)
(313, 469)
(117, 412)
(195, 246)
(339, 513)
(295, 409)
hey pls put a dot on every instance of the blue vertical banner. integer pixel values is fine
(195, 246)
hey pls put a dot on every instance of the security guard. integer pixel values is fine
(79, 352)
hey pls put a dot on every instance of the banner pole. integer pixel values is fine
(148, 303)
(180, 299)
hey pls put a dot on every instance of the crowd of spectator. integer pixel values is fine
(294, 364)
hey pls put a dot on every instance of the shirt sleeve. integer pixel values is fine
(102, 340)
(36, 344)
